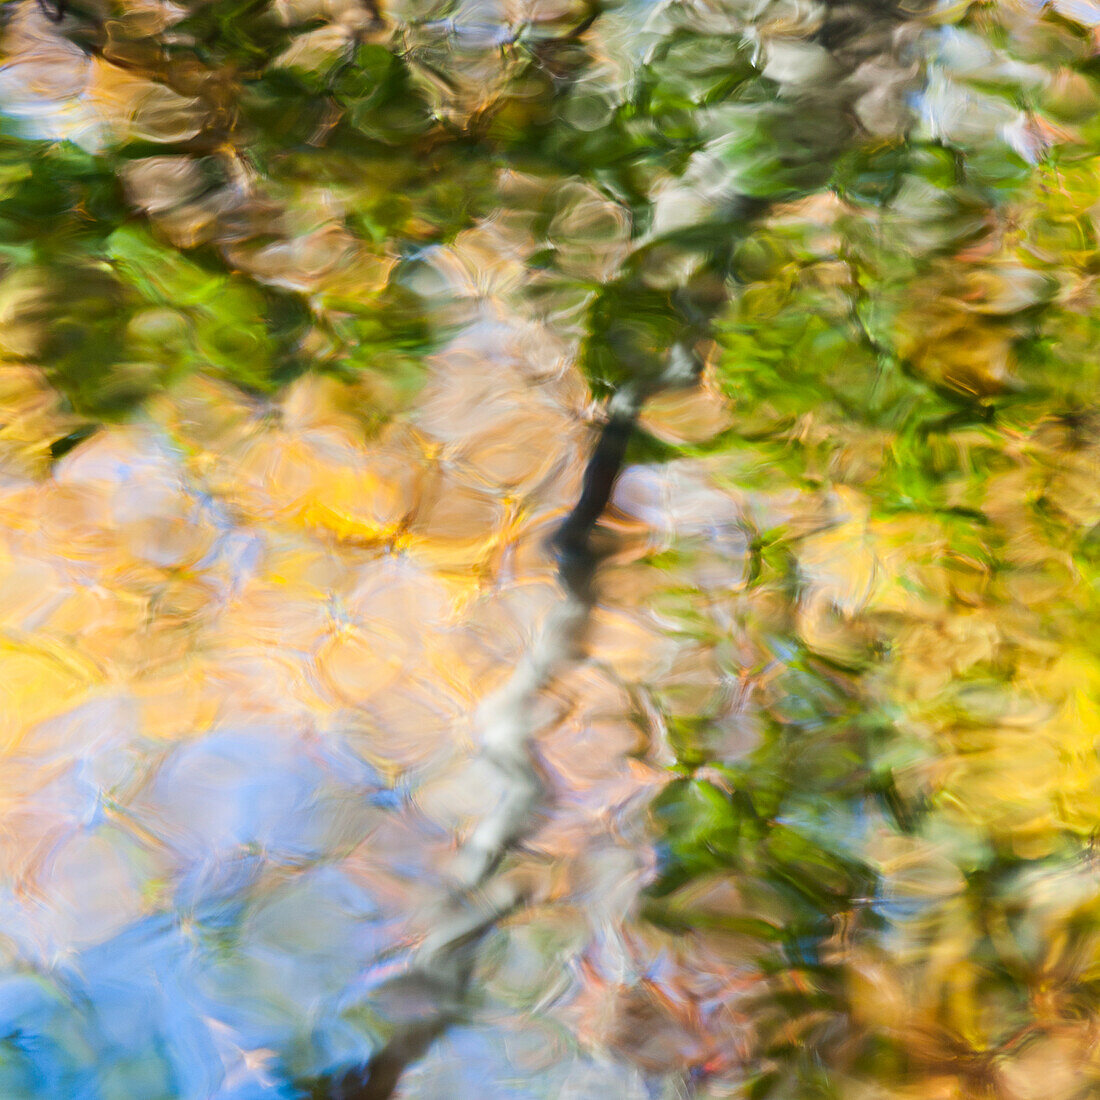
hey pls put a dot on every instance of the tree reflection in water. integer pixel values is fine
(357, 740)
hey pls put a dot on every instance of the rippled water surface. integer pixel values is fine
(325, 770)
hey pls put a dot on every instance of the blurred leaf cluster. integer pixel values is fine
(898, 786)
(229, 188)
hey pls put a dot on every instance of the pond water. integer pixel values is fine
(312, 314)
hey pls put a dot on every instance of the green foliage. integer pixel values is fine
(198, 316)
(125, 298)
(905, 356)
